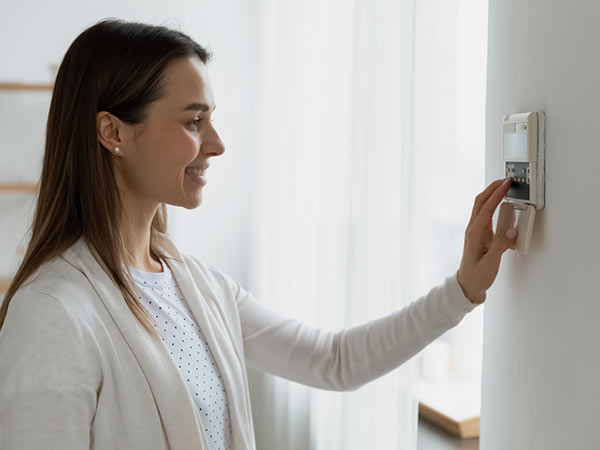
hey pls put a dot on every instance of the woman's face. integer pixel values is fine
(158, 158)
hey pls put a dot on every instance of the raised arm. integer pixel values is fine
(347, 359)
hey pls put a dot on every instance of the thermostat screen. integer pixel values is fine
(515, 141)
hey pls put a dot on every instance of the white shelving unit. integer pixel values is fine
(30, 188)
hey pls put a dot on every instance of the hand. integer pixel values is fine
(483, 249)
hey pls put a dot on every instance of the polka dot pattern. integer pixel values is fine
(161, 296)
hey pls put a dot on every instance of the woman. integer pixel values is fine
(110, 337)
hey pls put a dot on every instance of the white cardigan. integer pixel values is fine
(77, 371)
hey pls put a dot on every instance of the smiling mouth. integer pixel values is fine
(196, 171)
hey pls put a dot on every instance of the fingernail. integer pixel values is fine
(511, 233)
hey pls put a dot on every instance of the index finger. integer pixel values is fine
(488, 208)
(483, 197)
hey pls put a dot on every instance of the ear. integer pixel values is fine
(111, 131)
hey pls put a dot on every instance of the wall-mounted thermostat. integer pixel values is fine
(524, 160)
(524, 157)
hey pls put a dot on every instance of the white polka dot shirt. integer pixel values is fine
(161, 296)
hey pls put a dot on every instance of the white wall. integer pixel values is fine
(541, 364)
(34, 34)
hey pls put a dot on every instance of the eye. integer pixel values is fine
(195, 122)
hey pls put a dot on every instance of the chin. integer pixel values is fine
(193, 204)
(187, 203)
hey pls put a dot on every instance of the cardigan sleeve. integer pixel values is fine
(47, 397)
(346, 359)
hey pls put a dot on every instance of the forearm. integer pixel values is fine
(349, 358)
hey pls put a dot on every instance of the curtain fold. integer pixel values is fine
(343, 141)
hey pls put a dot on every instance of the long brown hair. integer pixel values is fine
(115, 66)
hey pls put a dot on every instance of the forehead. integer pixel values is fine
(186, 81)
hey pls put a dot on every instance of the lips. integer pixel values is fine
(197, 170)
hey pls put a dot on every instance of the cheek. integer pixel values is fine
(172, 152)
(162, 154)
(157, 163)
(187, 149)
(178, 147)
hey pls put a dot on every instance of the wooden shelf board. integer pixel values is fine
(452, 404)
(18, 187)
(467, 428)
(4, 283)
(26, 86)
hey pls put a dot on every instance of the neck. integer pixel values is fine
(136, 219)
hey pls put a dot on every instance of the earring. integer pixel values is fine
(117, 150)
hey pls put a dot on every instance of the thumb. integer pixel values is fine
(504, 241)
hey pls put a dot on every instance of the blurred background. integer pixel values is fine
(354, 134)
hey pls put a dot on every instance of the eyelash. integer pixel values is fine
(198, 120)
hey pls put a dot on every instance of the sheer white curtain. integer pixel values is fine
(343, 128)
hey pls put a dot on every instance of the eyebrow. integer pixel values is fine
(197, 107)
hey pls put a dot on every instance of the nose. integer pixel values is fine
(212, 144)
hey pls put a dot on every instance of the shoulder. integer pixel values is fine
(213, 277)
(34, 315)
(211, 273)
(56, 310)
(46, 305)
(202, 272)
(40, 336)
(59, 282)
